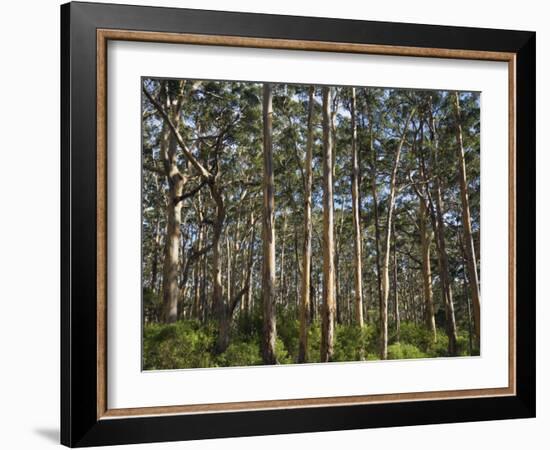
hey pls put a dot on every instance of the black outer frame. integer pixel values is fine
(79, 424)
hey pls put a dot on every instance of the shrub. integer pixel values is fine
(248, 326)
(417, 335)
(440, 346)
(241, 354)
(404, 351)
(351, 342)
(190, 343)
(183, 344)
(463, 345)
(314, 342)
(281, 353)
(288, 332)
(152, 305)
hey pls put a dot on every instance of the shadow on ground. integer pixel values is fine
(50, 434)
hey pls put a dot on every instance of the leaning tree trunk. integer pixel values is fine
(467, 225)
(306, 257)
(268, 275)
(355, 175)
(169, 109)
(327, 332)
(386, 250)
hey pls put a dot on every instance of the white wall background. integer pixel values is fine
(29, 229)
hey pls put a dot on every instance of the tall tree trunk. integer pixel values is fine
(229, 265)
(465, 295)
(306, 256)
(296, 294)
(466, 224)
(396, 290)
(156, 242)
(169, 109)
(154, 265)
(426, 210)
(425, 243)
(327, 335)
(386, 248)
(268, 275)
(196, 297)
(282, 237)
(444, 271)
(355, 176)
(248, 276)
(339, 304)
(439, 226)
(374, 192)
(218, 304)
(173, 221)
(171, 259)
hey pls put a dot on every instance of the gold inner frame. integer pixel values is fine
(104, 35)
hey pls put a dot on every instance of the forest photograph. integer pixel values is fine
(289, 223)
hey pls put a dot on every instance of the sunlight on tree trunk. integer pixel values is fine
(386, 249)
(306, 258)
(355, 176)
(467, 223)
(327, 335)
(268, 279)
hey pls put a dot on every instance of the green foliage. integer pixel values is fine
(281, 353)
(189, 343)
(419, 336)
(152, 305)
(351, 342)
(314, 342)
(179, 345)
(440, 346)
(223, 125)
(288, 332)
(404, 351)
(241, 354)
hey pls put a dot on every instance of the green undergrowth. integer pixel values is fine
(191, 344)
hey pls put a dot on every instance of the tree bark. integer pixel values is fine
(396, 290)
(425, 243)
(248, 276)
(444, 271)
(222, 309)
(171, 254)
(473, 279)
(327, 335)
(176, 183)
(386, 249)
(282, 238)
(443, 259)
(374, 192)
(219, 306)
(306, 256)
(355, 196)
(156, 244)
(268, 275)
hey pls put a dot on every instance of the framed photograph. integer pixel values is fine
(276, 224)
